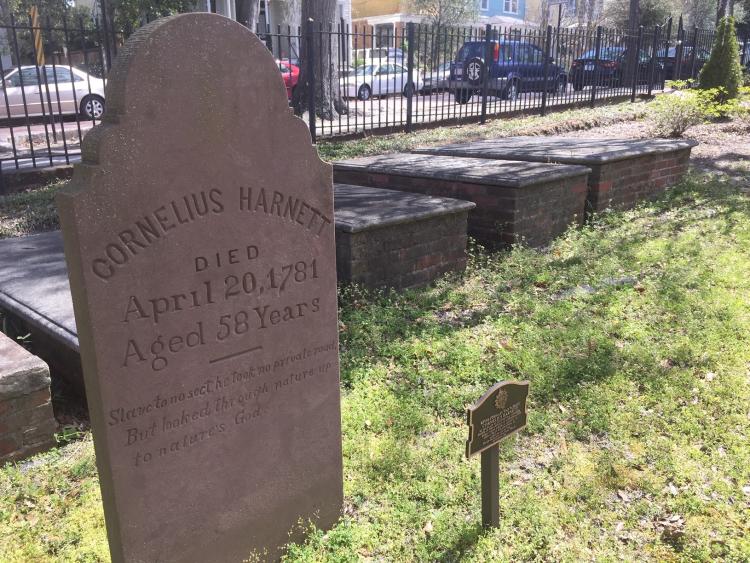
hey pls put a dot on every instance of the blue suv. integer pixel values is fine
(513, 67)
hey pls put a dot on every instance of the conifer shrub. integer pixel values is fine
(722, 69)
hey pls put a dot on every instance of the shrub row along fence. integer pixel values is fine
(359, 79)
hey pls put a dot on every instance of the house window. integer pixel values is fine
(384, 35)
(484, 5)
(510, 6)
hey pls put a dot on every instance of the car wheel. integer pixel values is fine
(511, 91)
(463, 95)
(364, 93)
(92, 106)
(408, 91)
(577, 86)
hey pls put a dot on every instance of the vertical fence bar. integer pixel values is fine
(409, 74)
(309, 38)
(636, 64)
(597, 59)
(652, 65)
(678, 52)
(486, 70)
(693, 51)
(105, 28)
(545, 69)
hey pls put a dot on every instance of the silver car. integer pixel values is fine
(379, 80)
(67, 91)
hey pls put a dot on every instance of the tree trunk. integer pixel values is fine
(328, 101)
(248, 12)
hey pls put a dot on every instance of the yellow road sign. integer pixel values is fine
(37, 32)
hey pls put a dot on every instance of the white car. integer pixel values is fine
(379, 80)
(67, 91)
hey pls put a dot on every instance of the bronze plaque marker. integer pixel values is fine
(200, 243)
(500, 412)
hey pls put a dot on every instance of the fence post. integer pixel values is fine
(545, 68)
(107, 51)
(310, 42)
(486, 73)
(667, 40)
(654, 49)
(637, 63)
(744, 57)
(692, 53)
(410, 74)
(678, 51)
(597, 56)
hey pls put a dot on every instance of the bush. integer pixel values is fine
(723, 69)
(672, 114)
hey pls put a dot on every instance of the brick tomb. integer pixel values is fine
(515, 201)
(27, 424)
(623, 171)
(397, 239)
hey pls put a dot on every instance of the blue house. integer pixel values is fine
(502, 12)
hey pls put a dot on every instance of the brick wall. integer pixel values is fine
(27, 423)
(406, 255)
(534, 214)
(623, 183)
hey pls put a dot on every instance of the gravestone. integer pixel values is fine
(199, 239)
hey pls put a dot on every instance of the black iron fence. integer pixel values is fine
(360, 79)
(420, 74)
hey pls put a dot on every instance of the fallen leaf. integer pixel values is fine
(427, 528)
(624, 496)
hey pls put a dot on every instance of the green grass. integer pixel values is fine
(550, 124)
(638, 443)
(29, 212)
(34, 211)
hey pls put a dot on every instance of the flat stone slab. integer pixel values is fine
(504, 173)
(34, 285)
(21, 372)
(623, 171)
(558, 149)
(528, 202)
(397, 239)
(361, 208)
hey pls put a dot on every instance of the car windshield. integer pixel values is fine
(361, 71)
(471, 50)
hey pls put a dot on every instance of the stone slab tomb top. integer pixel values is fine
(34, 285)
(199, 239)
(20, 371)
(508, 174)
(562, 150)
(359, 208)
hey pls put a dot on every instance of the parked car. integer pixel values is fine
(51, 89)
(379, 80)
(612, 67)
(668, 60)
(290, 74)
(437, 80)
(513, 67)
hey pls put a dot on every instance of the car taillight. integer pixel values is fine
(609, 64)
(496, 52)
(576, 64)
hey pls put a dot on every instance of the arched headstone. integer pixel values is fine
(200, 243)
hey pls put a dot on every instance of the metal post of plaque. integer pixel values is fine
(499, 413)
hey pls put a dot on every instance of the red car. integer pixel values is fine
(290, 73)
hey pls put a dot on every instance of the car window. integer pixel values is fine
(469, 51)
(363, 70)
(28, 75)
(527, 54)
(58, 73)
(398, 69)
